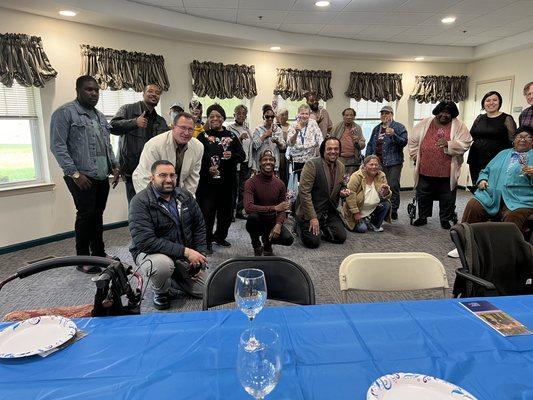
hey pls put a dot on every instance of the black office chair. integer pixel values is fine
(286, 281)
(495, 259)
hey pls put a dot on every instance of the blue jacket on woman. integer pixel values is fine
(392, 145)
(506, 182)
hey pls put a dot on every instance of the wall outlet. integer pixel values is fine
(517, 109)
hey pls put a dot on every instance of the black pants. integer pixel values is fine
(430, 189)
(130, 190)
(90, 205)
(243, 175)
(393, 174)
(260, 227)
(331, 228)
(474, 175)
(283, 168)
(215, 202)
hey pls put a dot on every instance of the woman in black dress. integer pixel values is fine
(222, 152)
(492, 132)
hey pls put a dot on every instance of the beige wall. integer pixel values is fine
(32, 216)
(517, 65)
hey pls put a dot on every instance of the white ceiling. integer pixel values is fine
(399, 21)
(384, 29)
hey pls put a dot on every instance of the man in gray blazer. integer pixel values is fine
(177, 146)
(321, 186)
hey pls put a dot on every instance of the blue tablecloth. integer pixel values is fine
(329, 352)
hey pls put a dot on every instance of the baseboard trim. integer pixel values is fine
(53, 238)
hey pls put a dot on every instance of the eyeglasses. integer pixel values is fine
(526, 138)
(269, 116)
(164, 175)
(185, 128)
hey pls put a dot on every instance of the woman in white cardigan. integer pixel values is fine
(437, 145)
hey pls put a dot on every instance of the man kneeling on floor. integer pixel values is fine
(266, 205)
(168, 236)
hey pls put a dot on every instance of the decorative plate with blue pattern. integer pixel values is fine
(35, 336)
(400, 386)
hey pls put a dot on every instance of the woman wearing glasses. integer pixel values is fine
(305, 138)
(218, 175)
(267, 136)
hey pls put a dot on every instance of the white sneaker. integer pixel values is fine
(453, 254)
(374, 228)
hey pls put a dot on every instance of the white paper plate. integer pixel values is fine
(402, 386)
(35, 335)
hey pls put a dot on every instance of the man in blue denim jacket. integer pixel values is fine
(387, 142)
(79, 140)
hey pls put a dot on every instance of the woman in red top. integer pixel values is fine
(437, 146)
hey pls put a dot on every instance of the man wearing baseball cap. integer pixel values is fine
(387, 142)
(175, 109)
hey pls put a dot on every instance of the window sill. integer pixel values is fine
(26, 189)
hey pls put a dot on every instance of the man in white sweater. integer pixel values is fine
(178, 146)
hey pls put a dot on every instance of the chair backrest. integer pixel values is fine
(392, 272)
(286, 281)
(496, 252)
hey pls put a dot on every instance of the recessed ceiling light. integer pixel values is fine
(419, 58)
(67, 13)
(448, 20)
(275, 48)
(322, 3)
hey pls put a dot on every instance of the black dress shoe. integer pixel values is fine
(223, 243)
(420, 222)
(394, 215)
(161, 301)
(445, 225)
(258, 251)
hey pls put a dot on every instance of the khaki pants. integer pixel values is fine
(160, 269)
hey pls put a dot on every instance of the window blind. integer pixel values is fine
(18, 101)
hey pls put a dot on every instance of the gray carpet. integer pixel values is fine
(66, 286)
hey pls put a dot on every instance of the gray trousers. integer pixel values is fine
(160, 269)
(393, 174)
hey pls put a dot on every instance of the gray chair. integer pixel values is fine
(286, 281)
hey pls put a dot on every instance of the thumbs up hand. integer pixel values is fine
(142, 122)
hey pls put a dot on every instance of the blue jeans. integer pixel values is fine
(376, 218)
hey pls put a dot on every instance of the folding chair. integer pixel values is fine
(391, 272)
(286, 281)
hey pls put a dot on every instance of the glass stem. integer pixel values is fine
(252, 335)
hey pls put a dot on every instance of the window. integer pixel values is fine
(424, 110)
(367, 114)
(111, 100)
(22, 156)
(227, 104)
(292, 106)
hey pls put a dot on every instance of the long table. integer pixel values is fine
(329, 352)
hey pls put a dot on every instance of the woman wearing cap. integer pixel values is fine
(492, 132)
(387, 142)
(351, 136)
(266, 205)
(437, 146)
(267, 136)
(222, 152)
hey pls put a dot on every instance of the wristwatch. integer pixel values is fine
(75, 175)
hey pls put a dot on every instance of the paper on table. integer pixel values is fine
(496, 318)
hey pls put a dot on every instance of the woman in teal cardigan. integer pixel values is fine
(505, 185)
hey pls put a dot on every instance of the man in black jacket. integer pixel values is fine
(168, 236)
(136, 124)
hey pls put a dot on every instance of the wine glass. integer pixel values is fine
(259, 369)
(215, 162)
(250, 296)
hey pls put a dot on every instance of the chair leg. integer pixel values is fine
(344, 296)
